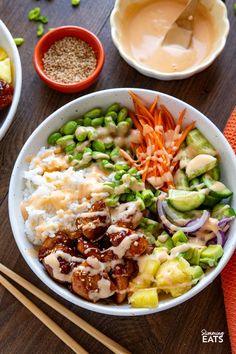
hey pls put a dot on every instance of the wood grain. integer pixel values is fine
(213, 92)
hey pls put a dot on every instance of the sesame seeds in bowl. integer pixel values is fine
(69, 59)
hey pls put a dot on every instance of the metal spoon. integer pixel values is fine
(181, 31)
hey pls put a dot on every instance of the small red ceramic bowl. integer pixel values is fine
(68, 31)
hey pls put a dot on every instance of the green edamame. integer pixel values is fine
(97, 122)
(93, 113)
(120, 167)
(113, 115)
(114, 155)
(87, 122)
(109, 122)
(129, 121)
(70, 148)
(40, 30)
(65, 140)
(122, 114)
(82, 136)
(147, 196)
(69, 127)
(99, 155)
(80, 121)
(112, 201)
(107, 165)
(114, 107)
(119, 175)
(33, 15)
(98, 145)
(78, 156)
(123, 128)
(53, 138)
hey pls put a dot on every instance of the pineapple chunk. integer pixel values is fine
(5, 70)
(151, 266)
(144, 298)
(3, 54)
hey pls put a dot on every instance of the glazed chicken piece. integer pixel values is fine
(6, 94)
(61, 241)
(121, 276)
(129, 243)
(59, 256)
(94, 223)
(127, 215)
(89, 249)
(92, 284)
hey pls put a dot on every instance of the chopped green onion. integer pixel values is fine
(34, 14)
(43, 19)
(19, 41)
(234, 6)
(75, 2)
(40, 30)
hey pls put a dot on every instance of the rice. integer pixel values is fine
(55, 194)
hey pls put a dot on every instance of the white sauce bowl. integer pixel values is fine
(76, 108)
(7, 43)
(218, 13)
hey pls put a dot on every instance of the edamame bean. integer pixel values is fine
(113, 115)
(112, 201)
(65, 140)
(115, 107)
(98, 145)
(81, 134)
(119, 167)
(80, 121)
(92, 135)
(107, 165)
(70, 148)
(97, 122)
(40, 30)
(122, 114)
(119, 175)
(123, 128)
(114, 155)
(129, 121)
(53, 138)
(87, 122)
(93, 113)
(69, 127)
(109, 146)
(141, 203)
(109, 121)
(99, 155)
(123, 197)
(33, 15)
(78, 156)
(132, 171)
(153, 207)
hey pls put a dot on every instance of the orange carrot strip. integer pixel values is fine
(153, 107)
(181, 117)
(142, 109)
(171, 119)
(184, 134)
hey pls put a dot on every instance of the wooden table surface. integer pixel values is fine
(212, 92)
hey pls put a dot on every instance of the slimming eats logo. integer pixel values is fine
(212, 337)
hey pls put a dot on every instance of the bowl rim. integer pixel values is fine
(60, 290)
(18, 80)
(73, 85)
(175, 75)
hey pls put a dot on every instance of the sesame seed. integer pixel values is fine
(69, 60)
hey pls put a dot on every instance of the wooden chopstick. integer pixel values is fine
(70, 342)
(102, 338)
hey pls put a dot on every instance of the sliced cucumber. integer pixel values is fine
(199, 165)
(184, 200)
(217, 189)
(180, 180)
(210, 201)
(222, 211)
(200, 143)
(215, 172)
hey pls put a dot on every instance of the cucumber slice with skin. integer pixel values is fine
(222, 211)
(215, 172)
(184, 200)
(217, 189)
(200, 144)
(200, 165)
(180, 180)
(210, 201)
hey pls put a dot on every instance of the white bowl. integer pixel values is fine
(218, 12)
(76, 108)
(7, 42)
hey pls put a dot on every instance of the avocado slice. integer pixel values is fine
(199, 165)
(200, 144)
(211, 255)
(184, 200)
(197, 272)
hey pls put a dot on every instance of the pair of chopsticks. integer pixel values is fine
(69, 341)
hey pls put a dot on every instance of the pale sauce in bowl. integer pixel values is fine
(144, 26)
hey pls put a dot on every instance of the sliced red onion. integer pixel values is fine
(198, 223)
(170, 214)
(221, 238)
(223, 222)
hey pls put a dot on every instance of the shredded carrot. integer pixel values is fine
(155, 153)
